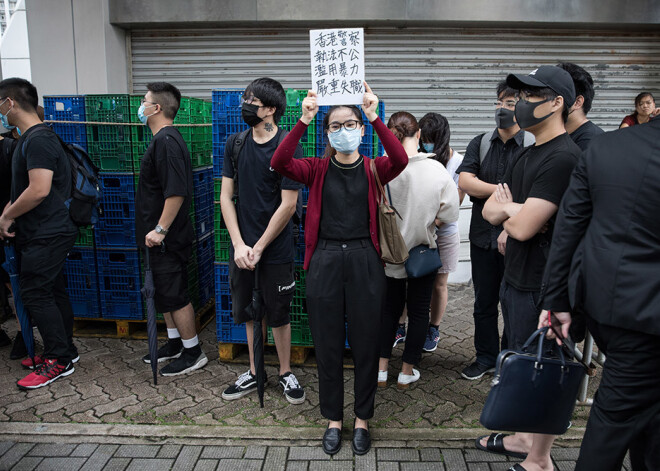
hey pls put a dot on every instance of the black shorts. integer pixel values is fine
(277, 286)
(170, 270)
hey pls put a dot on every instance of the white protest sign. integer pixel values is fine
(338, 65)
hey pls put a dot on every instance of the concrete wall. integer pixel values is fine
(15, 51)
(593, 14)
(74, 49)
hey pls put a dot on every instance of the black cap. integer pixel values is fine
(549, 76)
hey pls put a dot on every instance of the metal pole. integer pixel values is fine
(588, 352)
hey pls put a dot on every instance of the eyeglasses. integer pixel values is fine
(349, 125)
(249, 100)
(506, 103)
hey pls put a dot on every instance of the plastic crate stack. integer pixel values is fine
(104, 271)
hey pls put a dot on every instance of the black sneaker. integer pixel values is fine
(18, 350)
(171, 350)
(190, 360)
(245, 384)
(293, 391)
(476, 370)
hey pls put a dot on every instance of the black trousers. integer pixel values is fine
(416, 292)
(44, 295)
(346, 283)
(626, 410)
(487, 273)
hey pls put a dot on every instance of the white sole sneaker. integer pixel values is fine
(162, 359)
(404, 381)
(293, 400)
(75, 360)
(382, 379)
(66, 373)
(238, 395)
(202, 361)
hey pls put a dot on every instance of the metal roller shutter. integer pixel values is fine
(453, 72)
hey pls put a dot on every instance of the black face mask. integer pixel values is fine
(525, 113)
(504, 118)
(249, 114)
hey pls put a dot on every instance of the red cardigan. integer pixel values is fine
(311, 172)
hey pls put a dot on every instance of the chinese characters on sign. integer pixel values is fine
(338, 65)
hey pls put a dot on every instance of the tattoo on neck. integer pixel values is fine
(268, 127)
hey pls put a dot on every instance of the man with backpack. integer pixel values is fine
(258, 215)
(38, 219)
(163, 226)
(486, 161)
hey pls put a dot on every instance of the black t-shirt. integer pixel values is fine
(540, 172)
(7, 148)
(259, 195)
(165, 171)
(582, 136)
(39, 148)
(345, 213)
(492, 170)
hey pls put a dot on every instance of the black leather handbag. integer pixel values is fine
(422, 260)
(531, 392)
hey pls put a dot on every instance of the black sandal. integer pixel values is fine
(495, 444)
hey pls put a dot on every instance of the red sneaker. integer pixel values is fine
(27, 363)
(45, 374)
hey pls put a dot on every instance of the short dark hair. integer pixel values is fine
(583, 82)
(21, 91)
(271, 93)
(503, 90)
(357, 113)
(435, 129)
(167, 96)
(546, 93)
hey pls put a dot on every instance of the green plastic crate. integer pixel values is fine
(217, 189)
(222, 242)
(85, 237)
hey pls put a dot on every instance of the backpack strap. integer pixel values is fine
(238, 141)
(484, 146)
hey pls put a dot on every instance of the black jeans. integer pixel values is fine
(416, 292)
(487, 272)
(521, 314)
(44, 295)
(346, 283)
(626, 411)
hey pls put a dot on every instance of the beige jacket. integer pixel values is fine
(422, 193)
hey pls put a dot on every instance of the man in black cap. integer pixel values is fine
(526, 204)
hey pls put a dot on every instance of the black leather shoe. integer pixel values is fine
(361, 441)
(332, 441)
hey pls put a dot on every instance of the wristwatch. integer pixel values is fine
(160, 230)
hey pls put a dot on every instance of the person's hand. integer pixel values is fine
(5, 224)
(501, 242)
(369, 103)
(564, 319)
(243, 256)
(309, 107)
(503, 194)
(153, 239)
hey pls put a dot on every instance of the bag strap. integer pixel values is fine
(238, 140)
(484, 146)
(372, 163)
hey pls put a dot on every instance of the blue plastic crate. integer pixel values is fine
(67, 108)
(203, 197)
(119, 283)
(221, 277)
(116, 227)
(80, 277)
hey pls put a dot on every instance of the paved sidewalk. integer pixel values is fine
(110, 399)
(178, 456)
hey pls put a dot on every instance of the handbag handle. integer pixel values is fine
(540, 333)
(380, 186)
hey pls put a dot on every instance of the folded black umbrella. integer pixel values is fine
(148, 291)
(257, 311)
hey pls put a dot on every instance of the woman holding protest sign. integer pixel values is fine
(345, 278)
